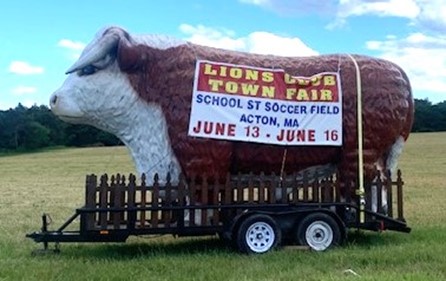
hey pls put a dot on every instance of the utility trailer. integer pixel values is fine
(255, 212)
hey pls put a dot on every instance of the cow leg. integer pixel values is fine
(380, 166)
(393, 155)
(383, 164)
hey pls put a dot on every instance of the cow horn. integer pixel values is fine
(97, 51)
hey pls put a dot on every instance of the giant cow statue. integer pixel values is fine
(139, 88)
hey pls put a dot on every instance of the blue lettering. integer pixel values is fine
(219, 101)
(199, 98)
(290, 108)
(291, 122)
(324, 109)
(259, 119)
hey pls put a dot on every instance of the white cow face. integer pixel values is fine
(96, 95)
(97, 92)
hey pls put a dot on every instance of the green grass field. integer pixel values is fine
(53, 181)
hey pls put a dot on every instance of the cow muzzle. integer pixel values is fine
(53, 100)
(65, 109)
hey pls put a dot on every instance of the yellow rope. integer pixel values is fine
(360, 190)
(283, 165)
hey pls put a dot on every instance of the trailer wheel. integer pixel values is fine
(319, 231)
(258, 234)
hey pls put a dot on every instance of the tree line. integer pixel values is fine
(23, 129)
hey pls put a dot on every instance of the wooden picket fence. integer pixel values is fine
(120, 202)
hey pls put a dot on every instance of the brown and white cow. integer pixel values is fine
(140, 89)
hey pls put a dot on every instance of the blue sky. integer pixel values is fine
(41, 39)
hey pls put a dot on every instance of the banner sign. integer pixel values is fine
(251, 104)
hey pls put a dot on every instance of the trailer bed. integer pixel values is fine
(117, 207)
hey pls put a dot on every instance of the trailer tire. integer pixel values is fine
(319, 231)
(258, 234)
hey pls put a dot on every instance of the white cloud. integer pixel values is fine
(256, 2)
(381, 8)
(256, 42)
(74, 48)
(396, 8)
(427, 14)
(23, 90)
(293, 7)
(24, 68)
(432, 15)
(219, 38)
(72, 45)
(268, 43)
(422, 57)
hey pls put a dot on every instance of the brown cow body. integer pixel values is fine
(387, 110)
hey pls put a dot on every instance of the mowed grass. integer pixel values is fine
(53, 181)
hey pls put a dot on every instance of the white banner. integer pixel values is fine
(243, 103)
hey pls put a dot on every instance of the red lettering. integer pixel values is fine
(214, 128)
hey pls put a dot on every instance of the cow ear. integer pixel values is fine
(130, 56)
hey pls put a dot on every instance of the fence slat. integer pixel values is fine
(250, 188)
(272, 189)
(204, 189)
(103, 201)
(239, 189)
(228, 196)
(306, 187)
(167, 202)
(155, 200)
(216, 194)
(122, 188)
(262, 188)
(90, 201)
(379, 192)
(316, 192)
(283, 188)
(182, 193)
(399, 186)
(131, 190)
(143, 196)
(337, 188)
(116, 199)
(295, 189)
(193, 194)
(389, 191)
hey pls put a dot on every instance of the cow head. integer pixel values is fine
(98, 92)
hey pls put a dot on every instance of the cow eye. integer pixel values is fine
(88, 70)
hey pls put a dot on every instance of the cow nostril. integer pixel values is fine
(53, 100)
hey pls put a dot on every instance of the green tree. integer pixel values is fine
(13, 127)
(429, 117)
(46, 118)
(36, 136)
(83, 135)
(440, 120)
(422, 116)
